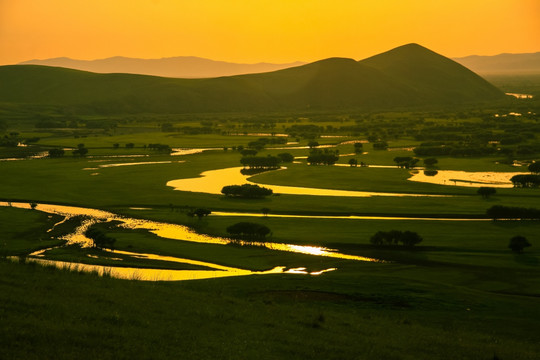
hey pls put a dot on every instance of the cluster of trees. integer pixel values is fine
(248, 191)
(286, 157)
(358, 148)
(10, 140)
(159, 147)
(395, 237)
(260, 143)
(380, 145)
(497, 212)
(248, 231)
(318, 157)
(199, 212)
(406, 162)
(261, 162)
(526, 181)
(99, 239)
(535, 167)
(55, 153)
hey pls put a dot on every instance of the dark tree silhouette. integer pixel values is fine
(99, 239)
(429, 162)
(56, 153)
(407, 238)
(199, 213)
(353, 162)
(535, 167)
(486, 191)
(248, 191)
(286, 157)
(518, 243)
(248, 231)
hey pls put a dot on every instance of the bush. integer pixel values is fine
(407, 238)
(248, 230)
(248, 191)
(100, 239)
(518, 243)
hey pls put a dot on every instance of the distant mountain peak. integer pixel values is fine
(407, 76)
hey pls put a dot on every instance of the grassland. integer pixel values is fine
(461, 293)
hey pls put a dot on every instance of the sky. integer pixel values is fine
(250, 31)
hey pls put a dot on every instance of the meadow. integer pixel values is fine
(460, 293)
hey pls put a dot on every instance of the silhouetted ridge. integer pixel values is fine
(409, 75)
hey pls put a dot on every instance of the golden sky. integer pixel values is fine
(262, 30)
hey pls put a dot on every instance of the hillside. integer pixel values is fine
(503, 64)
(178, 67)
(406, 76)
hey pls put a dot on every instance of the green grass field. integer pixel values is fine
(461, 293)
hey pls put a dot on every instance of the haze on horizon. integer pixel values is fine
(277, 31)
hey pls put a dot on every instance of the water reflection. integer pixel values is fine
(213, 181)
(468, 179)
(142, 274)
(344, 217)
(139, 163)
(169, 231)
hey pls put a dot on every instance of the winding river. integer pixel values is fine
(211, 182)
(169, 231)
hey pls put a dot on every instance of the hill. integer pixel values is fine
(410, 75)
(503, 64)
(178, 67)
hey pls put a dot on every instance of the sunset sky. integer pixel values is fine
(262, 30)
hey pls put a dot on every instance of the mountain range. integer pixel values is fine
(178, 67)
(197, 67)
(502, 64)
(410, 75)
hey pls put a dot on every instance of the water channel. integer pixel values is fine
(211, 182)
(169, 231)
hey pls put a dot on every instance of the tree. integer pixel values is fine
(313, 144)
(353, 162)
(265, 211)
(56, 153)
(248, 191)
(430, 162)
(200, 213)
(535, 167)
(286, 157)
(130, 145)
(80, 151)
(358, 147)
(406, 162)
(394, 237)
(33, 205)
(486, 191)
(116, 145)
(526, 181)
(380, 145)
(409, 238)
(248, 230)
(99, 239)
(518, 243)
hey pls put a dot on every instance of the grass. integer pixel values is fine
(460, 294)
(366, 314)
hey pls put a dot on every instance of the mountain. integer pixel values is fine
(410, 75)
(503, 64)
(178, 67)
